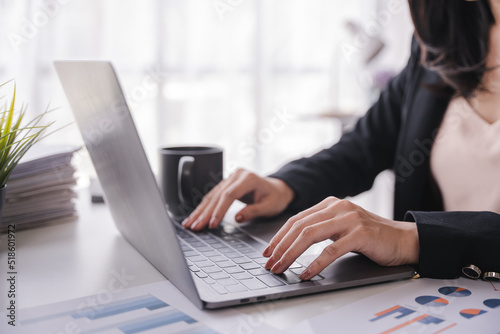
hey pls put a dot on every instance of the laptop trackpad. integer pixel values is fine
(350, 267)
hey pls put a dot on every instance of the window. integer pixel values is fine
(251, 76)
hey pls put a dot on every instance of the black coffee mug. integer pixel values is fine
(186, 175)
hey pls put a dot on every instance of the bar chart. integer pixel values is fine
(129, 316)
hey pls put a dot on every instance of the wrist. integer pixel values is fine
(411, 243)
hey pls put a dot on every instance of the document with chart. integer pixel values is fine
(137, 314)
(151, 308)
(421, 306)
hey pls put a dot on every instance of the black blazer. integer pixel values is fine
(397, 133)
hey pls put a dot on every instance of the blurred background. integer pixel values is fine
(267, 80)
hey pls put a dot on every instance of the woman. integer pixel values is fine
(437, 126)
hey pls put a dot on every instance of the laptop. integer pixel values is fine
(215, 268)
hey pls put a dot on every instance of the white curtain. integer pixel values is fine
(248, 75)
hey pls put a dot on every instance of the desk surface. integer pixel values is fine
(78, 259)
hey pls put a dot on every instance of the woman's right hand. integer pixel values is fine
(264, 196)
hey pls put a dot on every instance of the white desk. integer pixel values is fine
(61, 262)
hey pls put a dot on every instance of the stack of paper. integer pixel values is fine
(40, 189)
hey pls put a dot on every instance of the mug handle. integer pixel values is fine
(185, 180)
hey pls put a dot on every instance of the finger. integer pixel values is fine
(206, 217)
(194, 217)
(300, 227)
(189, 221)
(203, 213)
(310, 235)
(237, 189)
(201, 217)
(288, 225)
(328, 256)
(252, 211)
(325, 210)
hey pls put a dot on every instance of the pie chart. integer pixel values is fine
(454, 291)
(492, 303)
(432, 301)
(471, 312)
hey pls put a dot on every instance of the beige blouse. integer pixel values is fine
(465, 160)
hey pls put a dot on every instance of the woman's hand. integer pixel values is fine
(265, 196)
(353, 229)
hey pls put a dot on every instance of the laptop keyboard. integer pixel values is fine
(229, 261)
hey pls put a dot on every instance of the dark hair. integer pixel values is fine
(454, 37)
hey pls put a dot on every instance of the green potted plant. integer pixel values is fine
(16, 138)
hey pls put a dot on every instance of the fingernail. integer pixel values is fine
(276, 268)
(239, 218)
(195, 224)
(269, 263)
(185, 221)
(212, 222)
(267, 251)
(305, 275)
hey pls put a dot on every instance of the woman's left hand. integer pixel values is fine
(353, 229)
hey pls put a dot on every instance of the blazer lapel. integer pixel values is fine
(422, 115)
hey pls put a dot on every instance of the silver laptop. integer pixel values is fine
(215, 268)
